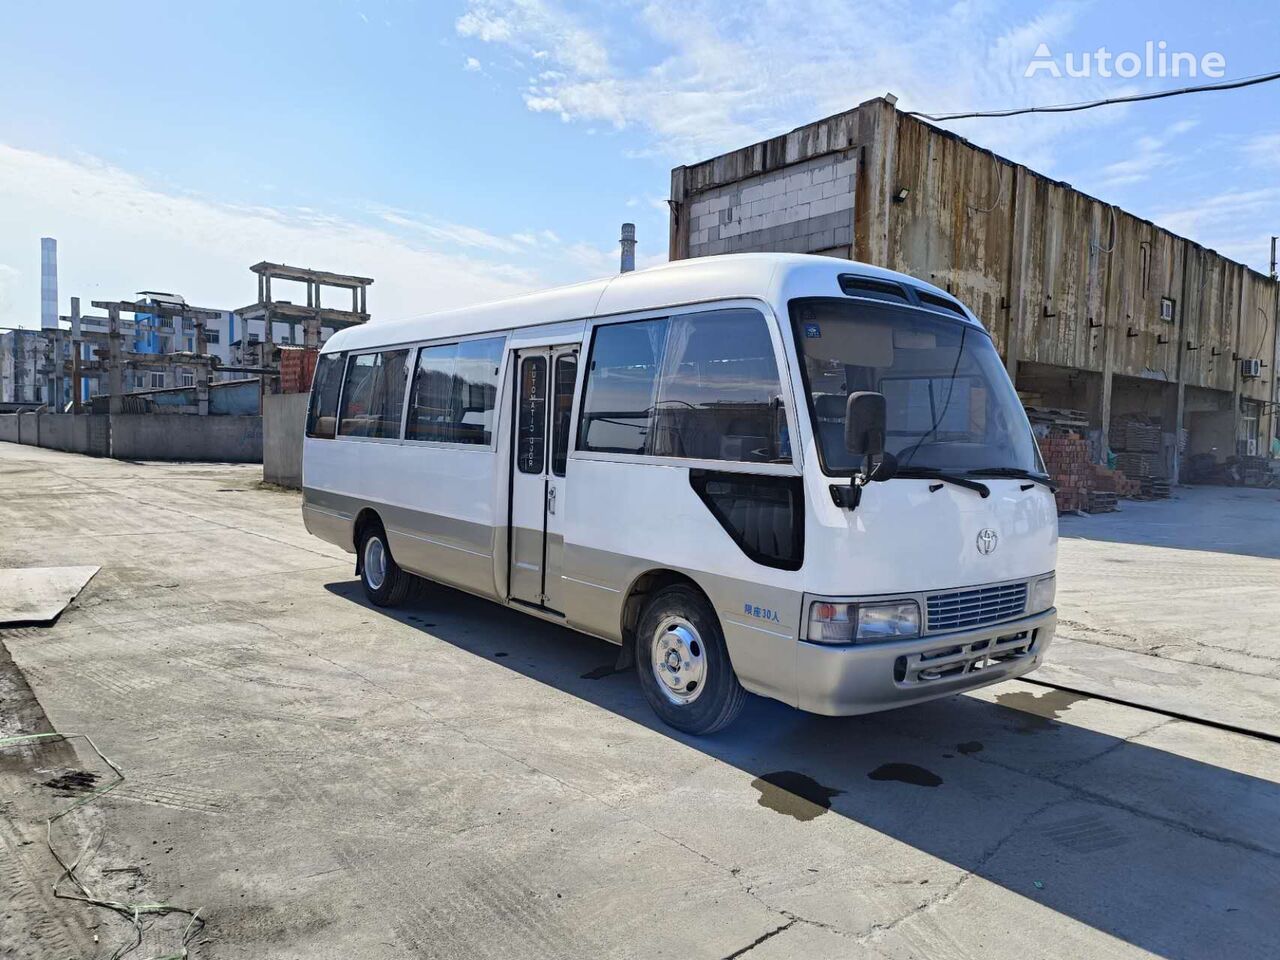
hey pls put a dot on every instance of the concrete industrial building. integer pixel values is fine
(1092, 308)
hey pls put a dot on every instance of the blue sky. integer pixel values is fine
(458, 151)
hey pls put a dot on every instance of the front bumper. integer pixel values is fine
(840, 681)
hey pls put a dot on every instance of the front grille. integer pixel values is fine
(976, 606)
(946, 663)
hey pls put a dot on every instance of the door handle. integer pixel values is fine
(551, 500)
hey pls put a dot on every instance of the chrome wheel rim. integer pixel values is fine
(679, 660)
(375, 563)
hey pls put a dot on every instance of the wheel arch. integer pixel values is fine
(366, 518)
(643, 587)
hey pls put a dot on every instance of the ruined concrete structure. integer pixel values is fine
(1091, 307)
(316, 320)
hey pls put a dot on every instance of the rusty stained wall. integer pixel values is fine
(1210, 315)
(1144, 266)
(1061, 236)
(953, 228)
(1258, 333)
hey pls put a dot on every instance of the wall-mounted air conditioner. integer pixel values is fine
(1250, 368)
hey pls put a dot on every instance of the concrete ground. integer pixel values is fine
(1178, 601)
(327, 780)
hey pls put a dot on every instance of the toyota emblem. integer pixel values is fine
(987, 541)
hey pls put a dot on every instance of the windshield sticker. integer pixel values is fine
(812, 331)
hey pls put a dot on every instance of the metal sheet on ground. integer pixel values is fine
(35, 595)
(1218, 696)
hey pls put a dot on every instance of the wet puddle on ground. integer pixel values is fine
(906, 773)
(599, 673)
(794, 794)
(1038, 711)
(73, 781)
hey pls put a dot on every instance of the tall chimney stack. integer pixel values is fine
(48, 283)
(628, 247)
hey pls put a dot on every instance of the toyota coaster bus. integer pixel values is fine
(797, 476)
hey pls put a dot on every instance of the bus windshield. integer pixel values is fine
(949, 403)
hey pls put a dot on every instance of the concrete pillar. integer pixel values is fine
(1020, 234)
(628, 242)
(115, 362)
(678, 233)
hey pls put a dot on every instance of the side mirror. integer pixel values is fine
(864, 423)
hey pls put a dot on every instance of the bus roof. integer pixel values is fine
(764, 276)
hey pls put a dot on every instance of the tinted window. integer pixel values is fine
(373, 395)
(431, 414)
(622, 380)
(763, 515)
(531, 441)
(701, 386)
(719, 397)
(454, 392)
(322, 415)
(562, 410)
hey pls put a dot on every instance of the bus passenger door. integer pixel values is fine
(544, 393)
(564, 377)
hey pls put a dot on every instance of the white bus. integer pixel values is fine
(797, 476)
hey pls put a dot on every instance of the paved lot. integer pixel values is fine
(326, 780)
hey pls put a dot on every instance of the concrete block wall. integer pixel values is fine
(88, 434)
(176, 436)
(803, 208)
(29, 429)
(147, 436)
(284, 419)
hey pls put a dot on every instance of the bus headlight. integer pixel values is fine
(888, 621)
(1042, 594)
(863, 623)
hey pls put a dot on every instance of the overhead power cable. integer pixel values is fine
(1090, 104)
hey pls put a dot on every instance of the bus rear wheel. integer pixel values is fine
(683, 663)
(385, 584)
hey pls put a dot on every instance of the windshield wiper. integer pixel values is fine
(933, 473)
(1015, 473)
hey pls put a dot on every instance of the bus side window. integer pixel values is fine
(322, 414)
(373, 395)
(566, 376)
(719, 394)
(532, 440)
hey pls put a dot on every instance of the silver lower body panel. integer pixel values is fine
(846, 680)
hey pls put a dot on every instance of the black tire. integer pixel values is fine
(721, 697)
(396, 584)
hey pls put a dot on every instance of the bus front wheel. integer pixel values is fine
(683, 663)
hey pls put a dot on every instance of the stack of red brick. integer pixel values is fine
(1066, 457)
(297, 367)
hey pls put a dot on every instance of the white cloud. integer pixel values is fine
(727, 74)
(518, 23)
(117, 235)
(1150, 156)
(1263, 150)
(452, 234)
(1235, 222)
(471, 64)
